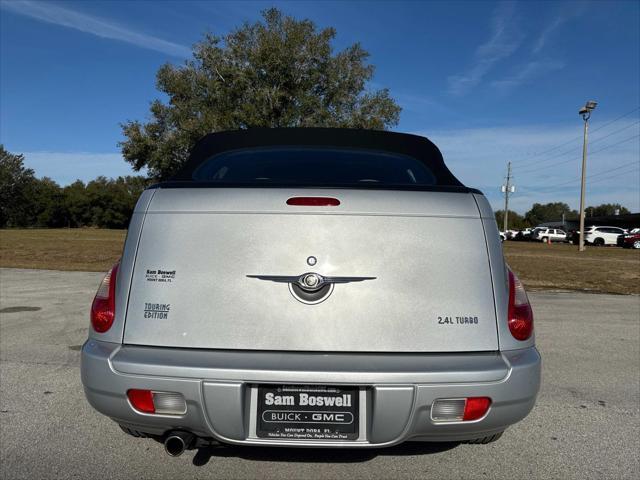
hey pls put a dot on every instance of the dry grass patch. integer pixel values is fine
(85, 249)
(563, 267)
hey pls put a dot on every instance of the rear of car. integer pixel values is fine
(551, 235)
(629, 240)
(312, 287)
(536, 233)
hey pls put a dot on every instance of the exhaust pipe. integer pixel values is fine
(177, 442)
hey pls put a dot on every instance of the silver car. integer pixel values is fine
(312, 287)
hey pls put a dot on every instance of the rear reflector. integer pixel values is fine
(313, 201)
(459, 409)
(142, 400)
(159, 403)
(476, 408)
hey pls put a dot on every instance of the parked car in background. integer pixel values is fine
(526, 233)
(522, 235)
(630, 240)
(573, 236)
(534, 233)
(257, 302)
(603, 235)
(553, 234)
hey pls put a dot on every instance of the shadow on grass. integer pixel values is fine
(317, 455)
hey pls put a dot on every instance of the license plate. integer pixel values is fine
(307, 412)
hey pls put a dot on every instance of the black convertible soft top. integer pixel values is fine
(414, 146)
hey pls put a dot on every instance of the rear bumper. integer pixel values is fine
(397, 390)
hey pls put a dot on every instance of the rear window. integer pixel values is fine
(314, 166)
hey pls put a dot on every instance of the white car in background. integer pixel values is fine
(553, 234)
(603, 235)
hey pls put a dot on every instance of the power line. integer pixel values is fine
(614, 144)
(554, 188)
(527, 161)
(635, 162)
(615, 176)
(597, 174)
(527, 170)
(574, 159)
(615, 131)
(615, 120)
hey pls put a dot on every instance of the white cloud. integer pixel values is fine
(419, 103)
(479, 156)
(504, 41)
(547, 32)
(569, 10)
(51, 13)
(528, 72)
(67, 167)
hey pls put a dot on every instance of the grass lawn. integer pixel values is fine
(539, 266)
(560, 266)
(86, 249)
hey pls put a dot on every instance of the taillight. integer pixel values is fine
(520, 314)
(313, 201)
(103, 309)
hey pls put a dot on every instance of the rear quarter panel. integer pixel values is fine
(125, 271)
(499, 276)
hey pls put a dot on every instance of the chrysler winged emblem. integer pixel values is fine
(310, 281)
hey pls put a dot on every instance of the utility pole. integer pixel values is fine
(507, 188)
(586, 114)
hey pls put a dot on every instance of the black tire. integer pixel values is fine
(636, 244)
(599, 242)
(485, 440)
(544, 239)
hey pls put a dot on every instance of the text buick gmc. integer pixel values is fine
(312, 287)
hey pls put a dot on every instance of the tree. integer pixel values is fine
(549, 212)
(606, 209)
(516, 221)
(279, 72)
(48, 204)
(16, 187)
(76, 204)
(26, 201)
(110, 202)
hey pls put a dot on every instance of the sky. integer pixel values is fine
(488, 82)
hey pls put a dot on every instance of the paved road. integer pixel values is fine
(585, 425)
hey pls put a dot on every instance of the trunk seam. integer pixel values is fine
(493, 287)
(133, 269)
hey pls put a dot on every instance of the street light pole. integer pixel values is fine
(586, 114)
